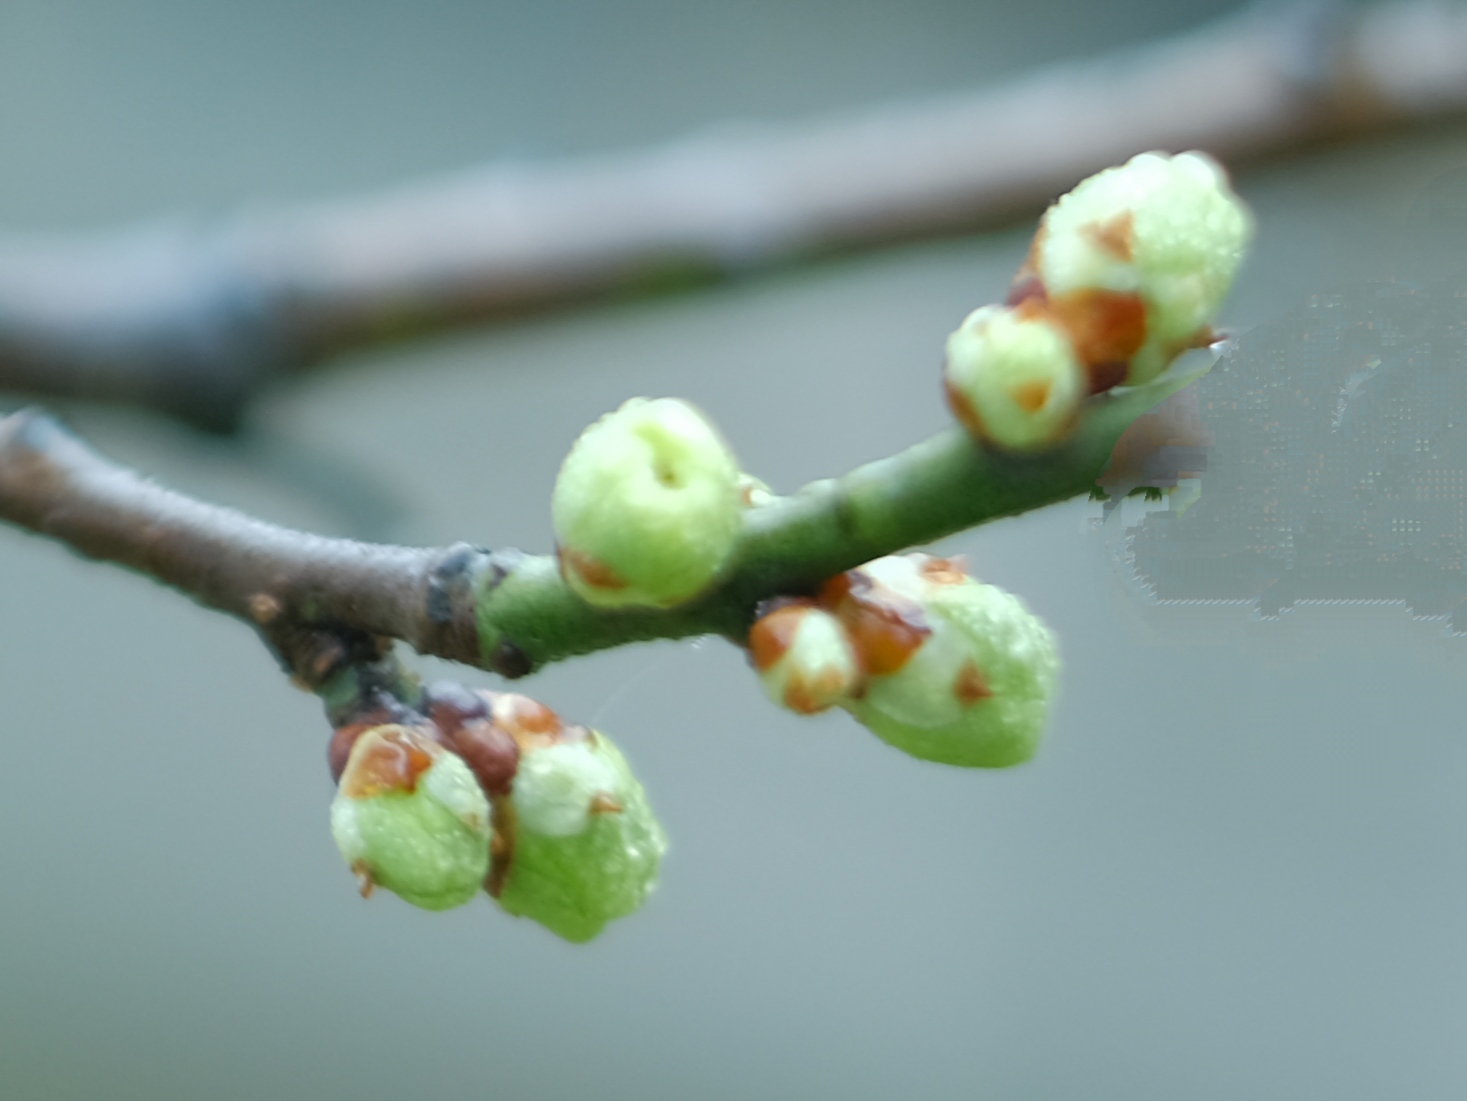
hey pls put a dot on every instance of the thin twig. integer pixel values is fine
(192, 318)
(325, 603)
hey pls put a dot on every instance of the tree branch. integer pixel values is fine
(325, 604)
(191, 319)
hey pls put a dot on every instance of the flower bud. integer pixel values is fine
(585, 845)
(1136, 260)
(647, 506)
(409, 816)
(961, 672)
(804, 658)
(1012, 377)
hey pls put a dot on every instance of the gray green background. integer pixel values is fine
(1238, 868)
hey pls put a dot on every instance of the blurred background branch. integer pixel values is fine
(194, 318)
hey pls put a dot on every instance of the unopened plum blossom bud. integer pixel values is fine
(585, 844)
(1012, 377)
(647, 506)
(804, 657)
(961, 672)
(409, 816)
(1136, 260)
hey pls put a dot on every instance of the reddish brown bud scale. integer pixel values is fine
(771, 635)
(522, 716)
(1031, 396)
(338, 750)
(490, 752)
(961, 407)
(836, 589)
(1104, 326)
(501, 845)
(451, 704)
(604, 803)
(530, 723)
(944, 571)
(884, 627)
(1027, 294)
(1106, 376)
(392, 763)
(1116, 235)
(806, 698)
(591, 572)
(971, 686)
(344, 737)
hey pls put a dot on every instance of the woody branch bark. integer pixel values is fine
(191, 319)
(323, 603)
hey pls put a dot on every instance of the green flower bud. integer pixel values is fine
(1137, 259)
(409, 816)
(585, 846)
(804, 657)
(1012, 378)
(647, 506)
(975, 670)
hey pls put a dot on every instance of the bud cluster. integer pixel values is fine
(935, 663)
(1125, 274)
(493, 791)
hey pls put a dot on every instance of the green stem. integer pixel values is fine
(529, 617)
(328, 604)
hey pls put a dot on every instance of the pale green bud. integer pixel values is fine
(1167, 230)
(805, 660)
(1012, 378)
(409, 816)
(971, 684)
(586, 845)
(647, 506)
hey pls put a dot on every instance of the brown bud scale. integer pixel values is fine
(807, 698)
(1116, 235)
(595, 573)
(603, 802)
(944, 571)
(501, 845)
(961, 407)
(885, 628)
(392, 762)
(490, 752)
(1104, 326)
(772, 635)
(1031, 396)
(971, 686)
